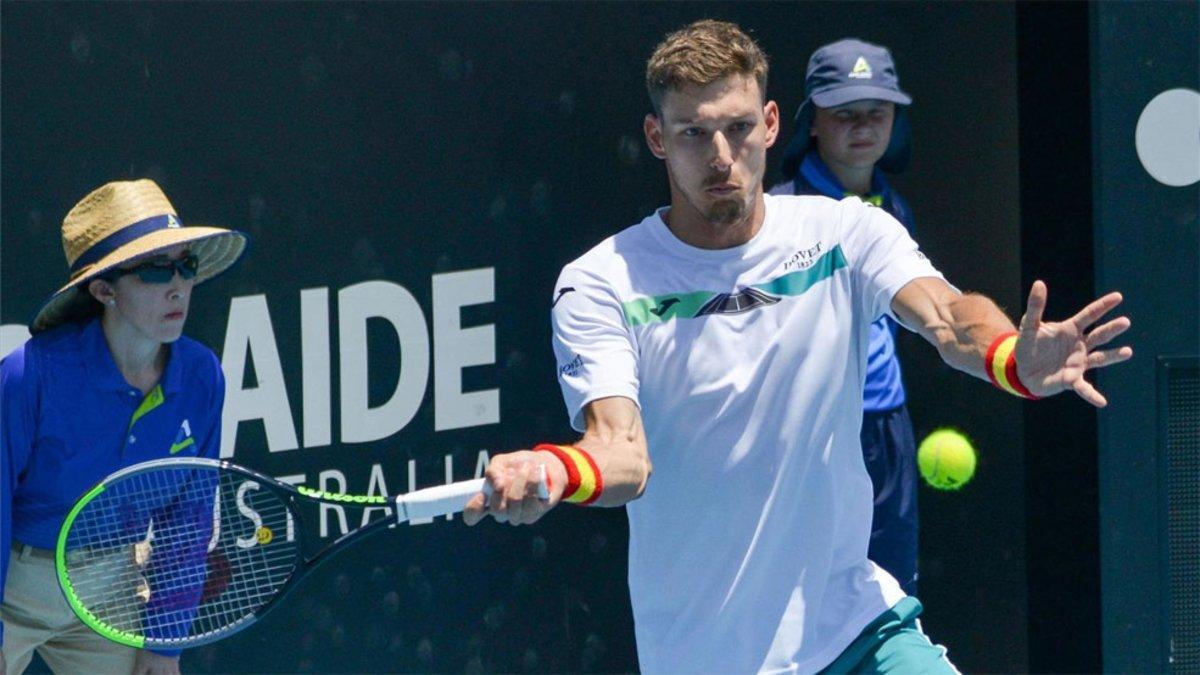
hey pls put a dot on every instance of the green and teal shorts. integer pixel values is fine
(894, 643)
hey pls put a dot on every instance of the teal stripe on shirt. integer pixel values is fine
(684, 305)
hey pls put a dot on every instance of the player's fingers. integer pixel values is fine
(1105, 333)
(498, 477)
(1107, 357)
(475, 510)
(537, 509)
(1088, 393)
(496, 504)
(516, 493)
(1094, 310)
(532, 505)
(1034, 307)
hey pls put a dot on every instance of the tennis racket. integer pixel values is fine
(178, 553)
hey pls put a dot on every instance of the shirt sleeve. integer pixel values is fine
(18, 380)
(210, 444)
(882, 257)
(594, 348)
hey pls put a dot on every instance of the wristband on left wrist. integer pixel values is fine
(1001, 366)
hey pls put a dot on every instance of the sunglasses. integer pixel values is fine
(160, 271)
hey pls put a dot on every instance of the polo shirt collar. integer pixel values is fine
(821, 177)
(102, 370)
(172, 377)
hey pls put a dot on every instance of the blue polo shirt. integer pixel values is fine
(884, 388)
(68, 418)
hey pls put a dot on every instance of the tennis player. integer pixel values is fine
(106, 381)
(851, 129)
(724, 338)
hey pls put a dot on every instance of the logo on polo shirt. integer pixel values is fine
(183, 438)
(861, 69)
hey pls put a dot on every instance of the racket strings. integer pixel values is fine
(177, 553)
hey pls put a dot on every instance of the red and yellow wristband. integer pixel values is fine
(584, 483)
(1001, 366)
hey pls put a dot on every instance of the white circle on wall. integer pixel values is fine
(12, 335)
(1168, 137)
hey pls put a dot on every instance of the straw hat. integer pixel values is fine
(117, 223)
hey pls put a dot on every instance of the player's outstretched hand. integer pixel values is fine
(1052, 357)
(514, 481)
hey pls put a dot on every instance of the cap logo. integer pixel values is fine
(861, 69)
(172, 221)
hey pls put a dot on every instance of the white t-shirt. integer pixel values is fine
(748, 550)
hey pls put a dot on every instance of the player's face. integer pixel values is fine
(714, 140)
(854, 135)
(156, 312)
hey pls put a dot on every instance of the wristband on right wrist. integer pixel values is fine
(584, 483)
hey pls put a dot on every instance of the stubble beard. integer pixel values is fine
(725, 212)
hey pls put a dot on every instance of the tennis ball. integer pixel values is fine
(946, 459)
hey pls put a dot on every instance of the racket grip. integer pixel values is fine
(446, 499)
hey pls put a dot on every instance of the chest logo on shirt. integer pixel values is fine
(183, 438)
(808, 267)
(738, 303)
(803, 259)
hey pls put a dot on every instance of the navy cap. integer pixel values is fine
(842, 72)
(852, 70)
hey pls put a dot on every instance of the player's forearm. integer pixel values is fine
(963, 329)
(616, 441)
(624, 467)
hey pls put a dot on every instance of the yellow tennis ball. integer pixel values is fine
(946, 459)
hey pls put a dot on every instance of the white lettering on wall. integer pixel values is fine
(455, 348)
(314, 355)
(332, 480)
(249, 335)
(393, 303)
(376, 487)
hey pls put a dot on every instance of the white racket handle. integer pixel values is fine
(446, 499)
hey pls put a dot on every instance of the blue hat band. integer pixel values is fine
(123, 236)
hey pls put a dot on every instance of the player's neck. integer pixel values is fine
(692, 228)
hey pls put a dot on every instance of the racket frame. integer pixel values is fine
(291, 495)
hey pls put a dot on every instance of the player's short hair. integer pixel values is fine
(700, 54)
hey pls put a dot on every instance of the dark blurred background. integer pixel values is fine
(396, 142)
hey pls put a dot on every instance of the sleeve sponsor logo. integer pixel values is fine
(571, 369)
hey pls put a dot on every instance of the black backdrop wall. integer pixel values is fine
(450, 158)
